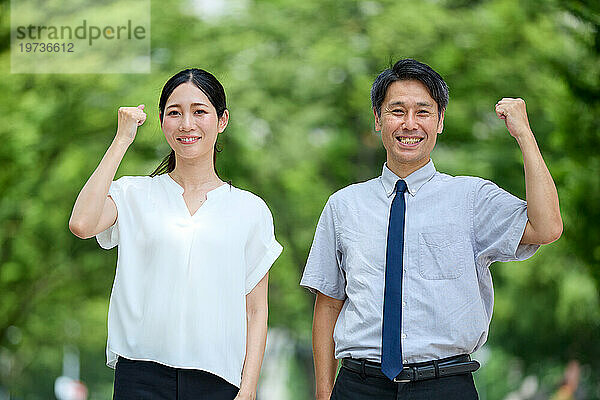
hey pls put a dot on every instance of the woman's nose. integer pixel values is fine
(186, 123)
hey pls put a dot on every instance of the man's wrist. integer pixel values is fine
(323, 394)
(247, 393)
(524, 137)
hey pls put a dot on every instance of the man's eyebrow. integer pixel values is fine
(397, 103)
(420, 104)
(424, 104)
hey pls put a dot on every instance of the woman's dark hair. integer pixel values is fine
(409, 69)
(210, 86)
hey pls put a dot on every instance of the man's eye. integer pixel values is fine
(398, 111)
(423, 112)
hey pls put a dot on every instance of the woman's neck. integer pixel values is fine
(195, 174)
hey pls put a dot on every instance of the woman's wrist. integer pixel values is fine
(120, 143)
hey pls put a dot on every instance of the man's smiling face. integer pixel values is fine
(409, 125)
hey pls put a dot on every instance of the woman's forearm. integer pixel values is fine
(255, 348)
(93, 212)
(257, 311)
(90, 202)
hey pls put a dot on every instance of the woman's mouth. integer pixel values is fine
(187, 139)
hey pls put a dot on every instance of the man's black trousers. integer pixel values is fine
(351, 385)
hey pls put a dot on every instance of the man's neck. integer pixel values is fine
(404, 170)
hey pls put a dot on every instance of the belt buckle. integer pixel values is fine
(396, 380)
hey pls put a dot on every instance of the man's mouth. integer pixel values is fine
(187, 139)
(409, 140)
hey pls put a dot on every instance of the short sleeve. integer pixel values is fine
(499, 220)
(262, 249)
(323, 272)
(109, 238)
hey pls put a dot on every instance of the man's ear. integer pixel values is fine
(440, 128)
(377, 122)
(223, 121)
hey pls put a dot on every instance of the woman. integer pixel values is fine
(188, 310)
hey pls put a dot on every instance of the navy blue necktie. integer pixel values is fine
(391, 351)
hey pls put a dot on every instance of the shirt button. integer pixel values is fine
(403, 304)
(405, 362)
(403, 336)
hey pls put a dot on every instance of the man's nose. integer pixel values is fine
(410, 122)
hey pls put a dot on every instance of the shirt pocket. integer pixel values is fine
(441, 253)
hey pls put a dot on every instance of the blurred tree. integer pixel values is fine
(297, 77)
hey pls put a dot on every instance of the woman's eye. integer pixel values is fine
(173, 112)
(200, 112)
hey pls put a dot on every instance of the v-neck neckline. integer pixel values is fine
(180, 190)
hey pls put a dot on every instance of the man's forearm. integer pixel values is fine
(325, 317)
(544, 222)
(325, 363)
(543, 209)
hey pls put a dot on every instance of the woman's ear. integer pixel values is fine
(223, 121)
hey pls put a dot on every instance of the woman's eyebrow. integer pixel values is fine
(193, 104)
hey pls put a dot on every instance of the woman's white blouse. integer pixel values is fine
(179, 295)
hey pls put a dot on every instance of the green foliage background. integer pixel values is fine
(297, 77)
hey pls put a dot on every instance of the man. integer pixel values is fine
(400, 263)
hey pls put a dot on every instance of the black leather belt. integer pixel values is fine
(419, 371)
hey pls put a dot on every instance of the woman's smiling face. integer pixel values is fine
(190, 122)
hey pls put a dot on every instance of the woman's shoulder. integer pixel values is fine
(246, 198)
(135, 181)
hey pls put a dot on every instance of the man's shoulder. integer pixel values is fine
(461, 186)
(461, 180)
(355, 190)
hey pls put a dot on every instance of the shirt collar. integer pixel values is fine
(413, 181)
